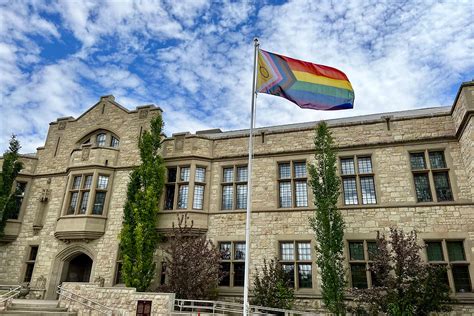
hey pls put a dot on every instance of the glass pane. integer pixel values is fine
(99, 203)
(241, 196)
(289, 271)
(359, 276)
(365, 164)
(434, 251)
(169, 197)
(118, 275)
(304, 251)
(171, 174)
(284, 171)
(239, 249)
(356, 250)
(183, 196)
(73, 203)
(242, 174)
(29, 272)
(437, 160)
(305, 276)
(443, 189)
(287, 251)
(14, 213)
(76, 183)
(227, 197)
(184, 174)
(83, 207)
(347, 166)
(300, 169)
(224, 248)
(225, 270)
(239, 273)
(456, 251)
(417, 161)
(114, 142)
(102, 182)
(228, 175)
(301, 194)
(371, 249)
(422, 187)
(200, 174)
(462, 281)
(198, 196)
(367, 186)
(33, 253)
(285, 194)
(350, 191)
(87, 182)
(101, 140)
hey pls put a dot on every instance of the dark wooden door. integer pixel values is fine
(144, 308)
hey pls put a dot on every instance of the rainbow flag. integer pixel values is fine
(310, 86)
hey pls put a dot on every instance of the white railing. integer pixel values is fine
(88, 303)
(228, 308)
(12, 292)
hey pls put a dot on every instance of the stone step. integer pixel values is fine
(45, 308)
(36, 313)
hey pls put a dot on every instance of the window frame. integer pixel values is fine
(430, 173)
(29, 262)
(366, 261)
(357, 176)
(296, 262)
(292, 180)
(231, 261)
(20, 179)
(450, 263)
(233, 184)
(196, 184)
(92, 190)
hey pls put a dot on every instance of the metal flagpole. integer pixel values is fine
(249, 182)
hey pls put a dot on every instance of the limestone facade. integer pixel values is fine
(389, 142)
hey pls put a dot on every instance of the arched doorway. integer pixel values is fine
(77, 269)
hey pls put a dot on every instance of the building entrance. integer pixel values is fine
(78, 269)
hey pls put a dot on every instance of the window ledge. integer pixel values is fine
(80, 227)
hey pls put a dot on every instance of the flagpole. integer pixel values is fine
(249, 181)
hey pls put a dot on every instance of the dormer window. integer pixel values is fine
(101, 139)
(114, 142)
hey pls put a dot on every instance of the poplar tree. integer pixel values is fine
(10, 169)
(138, 238)
(327, 221)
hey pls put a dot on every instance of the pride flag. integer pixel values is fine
(310, 86)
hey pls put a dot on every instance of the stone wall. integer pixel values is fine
(122, 300)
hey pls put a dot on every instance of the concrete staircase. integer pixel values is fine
(36, 308)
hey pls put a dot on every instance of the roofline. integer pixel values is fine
(463, 85)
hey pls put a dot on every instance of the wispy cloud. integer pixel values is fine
(194, 58)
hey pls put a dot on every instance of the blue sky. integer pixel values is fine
(194, 58)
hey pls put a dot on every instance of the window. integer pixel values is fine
(114, 142)
(358, 182)
(20, 189)
(295, 259)
(118, 270)
(30, 263)
(199, 184)
(100, 139)
(451, 253)
(232, 263)
(234, 179)
(437, 170)
(360, 258)
(292, 184)
(81, 190)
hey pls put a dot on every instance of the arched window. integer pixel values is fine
(114, 142)
(101, 139)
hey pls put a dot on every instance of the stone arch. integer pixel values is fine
(61, 261)
(95, 131)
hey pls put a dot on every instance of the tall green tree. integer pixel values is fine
(10, 169)
(327, 221)
(138, 238)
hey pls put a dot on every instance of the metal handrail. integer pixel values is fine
(229, 307)
(12, 292)
(101, 307)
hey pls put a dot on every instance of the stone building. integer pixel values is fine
(411, 169)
